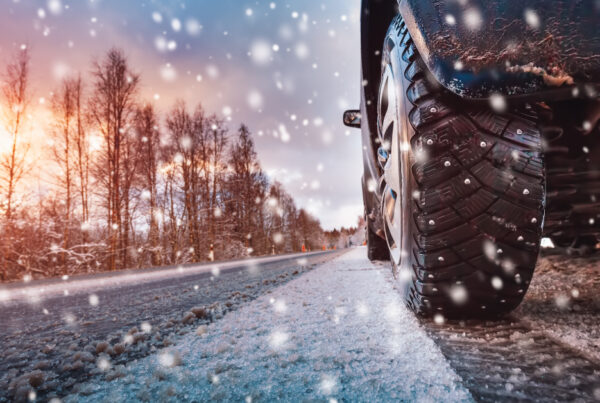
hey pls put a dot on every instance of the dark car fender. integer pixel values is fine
(515, 48)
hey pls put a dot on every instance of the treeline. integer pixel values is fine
(124, 187)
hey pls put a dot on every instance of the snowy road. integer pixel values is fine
(55, 333)
(338, 332)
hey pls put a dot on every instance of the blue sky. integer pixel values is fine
(285, 68)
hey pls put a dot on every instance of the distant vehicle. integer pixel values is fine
(480, 134)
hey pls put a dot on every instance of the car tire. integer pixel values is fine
(463, 190)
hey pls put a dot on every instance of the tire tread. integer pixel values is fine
(492, 193)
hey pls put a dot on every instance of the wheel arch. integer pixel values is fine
(376, 16)
(495, 46)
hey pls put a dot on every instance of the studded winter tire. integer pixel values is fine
(462, 190)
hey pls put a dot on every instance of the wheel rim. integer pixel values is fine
(390, 179)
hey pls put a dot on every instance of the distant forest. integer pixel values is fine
(129, 188)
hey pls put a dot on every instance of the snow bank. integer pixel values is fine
(340, 332)
(37, 291)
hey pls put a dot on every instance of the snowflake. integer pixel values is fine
(498, 103)
(439, 319)
(278, 340)
(168, 73)
(362, 309)
(458, 294)
(103, 364)
(176, 25)
(55, 6)
(93, 300)
(473, 19)
(328, 384)
(157, 17)
(255, 99)
(261, 52)
(301, 51)
(531, 18)
(280, 306)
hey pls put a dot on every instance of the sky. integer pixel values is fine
(287, 69)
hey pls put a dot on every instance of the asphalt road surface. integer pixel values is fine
(323, 327)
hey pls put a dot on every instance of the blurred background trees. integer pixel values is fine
(128, 188)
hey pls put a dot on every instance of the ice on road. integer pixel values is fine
(339, 332)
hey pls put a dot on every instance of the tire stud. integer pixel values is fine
(429, 142)
(433, 109)
(520, 238)
(441, 259)
(447, 164)
(525, 192)
(483, 144)
(431, 222)
(519, 131)
(467, 181)
(534, 220)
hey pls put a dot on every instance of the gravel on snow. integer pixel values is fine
(340, 332)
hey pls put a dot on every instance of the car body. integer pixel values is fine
(531, 50)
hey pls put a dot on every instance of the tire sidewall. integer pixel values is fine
(392, 57)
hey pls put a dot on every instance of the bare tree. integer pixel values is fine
(149, 146)
(310, 231)
(13, 164)
(247, 187)
(183, 129)
(214, 169)
(16, 99)
(130, 168)
(64, 110)
(82, 150)
(112, 105)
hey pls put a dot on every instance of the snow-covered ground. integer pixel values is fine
(42, 289)
(302, 329)
(339, 332)
(56, 338)
(564, 302)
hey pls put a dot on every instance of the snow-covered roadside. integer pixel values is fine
(564, 303)
(16, 292)
(339, 332)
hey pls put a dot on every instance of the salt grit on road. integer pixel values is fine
(338, 332)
